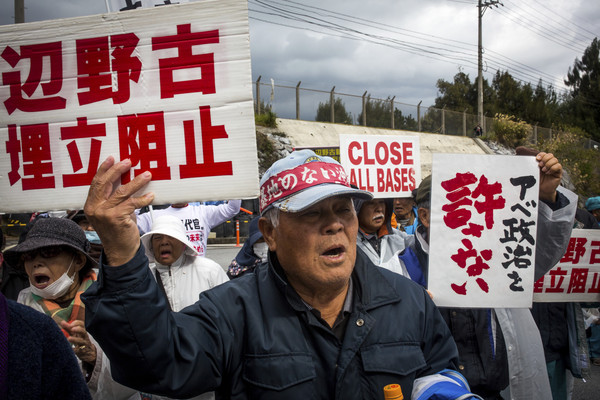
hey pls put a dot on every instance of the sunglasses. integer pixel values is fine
(44, 252)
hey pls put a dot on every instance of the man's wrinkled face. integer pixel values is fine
(403, 207)
(166, 249)
(371, 215)
(316, 247)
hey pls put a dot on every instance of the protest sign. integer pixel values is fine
(385, 165)
(169, 88)
(330, 151)
(576, 277)
(127, 5)
(483, 230)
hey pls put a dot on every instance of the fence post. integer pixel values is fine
(258, 94)
(392, 110)
(298, 100)
(419, 115)
(465, 122)
(331, 101)
(444, 120)
(364, 109)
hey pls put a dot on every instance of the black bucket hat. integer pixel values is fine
(48, 232)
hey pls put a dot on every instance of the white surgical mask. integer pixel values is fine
(261, 250)
(57, 288)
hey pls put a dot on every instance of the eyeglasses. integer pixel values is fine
(44, 252)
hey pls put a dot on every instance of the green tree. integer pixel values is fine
(510, 130)
(459, 95)
(404, 122)
(583, 79)
(378, 113)
(341, 116)
(581, 163)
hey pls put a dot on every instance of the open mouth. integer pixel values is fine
(41, 281)
(378, 217)
(334, 251)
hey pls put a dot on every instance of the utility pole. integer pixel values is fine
(481, 7)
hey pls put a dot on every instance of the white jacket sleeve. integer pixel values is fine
(216, 215)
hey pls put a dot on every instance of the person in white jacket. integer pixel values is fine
(197, 220)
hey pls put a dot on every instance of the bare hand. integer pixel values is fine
(550, 176)
(110, 208)
(82, 346)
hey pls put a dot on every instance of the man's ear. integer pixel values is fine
(268, 231)
(424, 216)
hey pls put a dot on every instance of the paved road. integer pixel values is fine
(222, 253)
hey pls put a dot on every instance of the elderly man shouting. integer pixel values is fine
(317, 321)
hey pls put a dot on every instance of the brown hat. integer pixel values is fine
(424, 191)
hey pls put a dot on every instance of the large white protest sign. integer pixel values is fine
(128, 5)
(385, 165)
(483, 230)
(169, 88)
(576, 277)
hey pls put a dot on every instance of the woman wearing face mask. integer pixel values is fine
(254, 252)
(55, 257)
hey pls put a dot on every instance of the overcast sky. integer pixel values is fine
(390, 47)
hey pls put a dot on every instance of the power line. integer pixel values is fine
(447, 54)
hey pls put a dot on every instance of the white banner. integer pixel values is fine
(128, 5)
(168, 87)
(385, 165)
(483, 230)
(577, 276)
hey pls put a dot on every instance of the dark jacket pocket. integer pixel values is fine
(394, 358)
(278, 371)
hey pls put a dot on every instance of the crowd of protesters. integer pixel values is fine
(327, 299)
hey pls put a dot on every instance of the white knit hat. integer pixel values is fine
(171, 226)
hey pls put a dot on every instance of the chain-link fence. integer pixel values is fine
(296, 102)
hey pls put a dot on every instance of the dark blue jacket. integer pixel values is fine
(254, 338)
(41, 363)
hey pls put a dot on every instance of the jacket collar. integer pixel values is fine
(371, 288)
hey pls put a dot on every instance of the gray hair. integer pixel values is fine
(425, 204)
(272, 215)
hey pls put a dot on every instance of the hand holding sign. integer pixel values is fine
(110, 209)
(550, 176)
(550, 172)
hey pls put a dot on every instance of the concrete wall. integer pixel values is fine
(320, 134)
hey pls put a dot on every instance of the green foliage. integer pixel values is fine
(377, 112)
(582, 164)
(583, 106)
(340, 115)
(459, 95)
(404, 122)
(510, 130)
(268, 118)
(379, 115)
(266, 152)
